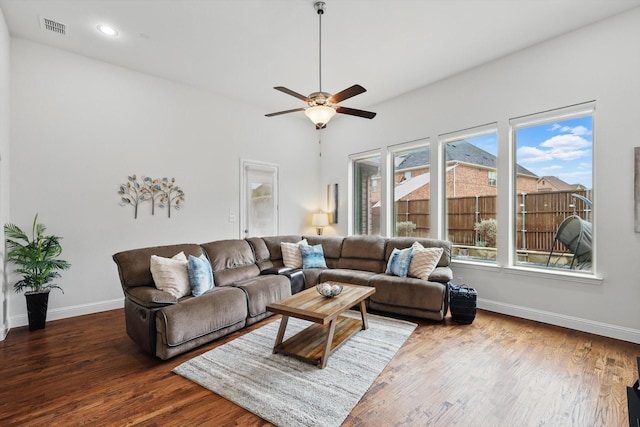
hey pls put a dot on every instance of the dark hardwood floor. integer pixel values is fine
(498, 371)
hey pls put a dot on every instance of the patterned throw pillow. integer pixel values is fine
(312, 256)
(200, 275)
(424, 261)
(398, 264)
(291, 256)
(170, 274)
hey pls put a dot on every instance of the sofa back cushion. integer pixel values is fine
(405, 242)
(273, 246)
(231, 261)
(134, 265)
(260, 252)
(365, 253)
(331, 246)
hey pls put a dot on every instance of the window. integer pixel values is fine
(470, 197)
(493, 178)
(412, 189)
(366, 194)
(553, 211)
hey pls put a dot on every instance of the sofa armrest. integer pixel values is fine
(149, 297)
(441, 274)
(276, 270)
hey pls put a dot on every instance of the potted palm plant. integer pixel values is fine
(36, 259)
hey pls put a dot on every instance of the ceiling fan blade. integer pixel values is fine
(346, 94)
(354, 112)
(292, 93)
(284, 112)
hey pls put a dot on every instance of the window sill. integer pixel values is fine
(564, 276)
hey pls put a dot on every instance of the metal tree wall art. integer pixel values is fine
(162, 192)
(172, 195)
(132, 193)
(152, 191)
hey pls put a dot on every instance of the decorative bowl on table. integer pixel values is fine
(329, 289)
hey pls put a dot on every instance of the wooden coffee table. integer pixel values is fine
(316, 343)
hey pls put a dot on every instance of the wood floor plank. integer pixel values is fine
(498, 371)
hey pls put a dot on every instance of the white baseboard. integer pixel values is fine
(4, 330)
(579, 324)
(64, 312)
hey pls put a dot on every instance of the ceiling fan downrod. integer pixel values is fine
(320, 7)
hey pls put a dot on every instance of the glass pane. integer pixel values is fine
(411, 192)
(261, 204)
(554, 212)
(471, 196)
(366, 185)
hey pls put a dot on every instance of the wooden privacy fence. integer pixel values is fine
(538, 216)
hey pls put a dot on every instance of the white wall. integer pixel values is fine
(600, 62)
(80, 127)
(4, 165)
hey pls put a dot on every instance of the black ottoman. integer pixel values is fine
(462, 303)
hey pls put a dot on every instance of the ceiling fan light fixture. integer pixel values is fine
(320, 114)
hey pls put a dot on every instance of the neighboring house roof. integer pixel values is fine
(559, 184)
(410, 185)
(461, 151)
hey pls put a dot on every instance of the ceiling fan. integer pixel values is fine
(322, 106)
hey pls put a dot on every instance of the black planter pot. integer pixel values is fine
(37, 303)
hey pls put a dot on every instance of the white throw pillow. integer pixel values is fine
(423, 261)
(171, 274)
(291, 255)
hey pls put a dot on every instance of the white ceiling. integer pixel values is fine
(242, 48)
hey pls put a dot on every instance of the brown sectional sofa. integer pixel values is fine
(250, 274)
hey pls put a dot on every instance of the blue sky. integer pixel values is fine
(563, 149)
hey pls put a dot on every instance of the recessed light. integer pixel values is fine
(108, 30)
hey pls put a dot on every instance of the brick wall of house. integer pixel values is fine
(469, 181)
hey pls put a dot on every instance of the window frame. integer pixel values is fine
(460, 135)
(537, 119)
(389, 201)
(352, 192)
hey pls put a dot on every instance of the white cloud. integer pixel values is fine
(567, 147)
(578, 130)
(532, 155)
(557, 148)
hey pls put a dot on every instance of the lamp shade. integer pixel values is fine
(320, 219)
(320, 114)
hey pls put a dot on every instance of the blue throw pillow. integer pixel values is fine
(200, 275)
(399, 261)
(312, 256)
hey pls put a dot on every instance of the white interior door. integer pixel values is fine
(259, 199)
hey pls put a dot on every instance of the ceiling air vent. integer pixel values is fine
(55, 26)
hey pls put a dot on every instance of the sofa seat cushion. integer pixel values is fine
(150, 297)
(312, 276)
(408, 292)
(354, 277)
(263, 290)
(195, 317)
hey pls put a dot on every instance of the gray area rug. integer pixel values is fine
(288, 392)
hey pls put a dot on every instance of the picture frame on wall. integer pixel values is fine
(332, 203)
